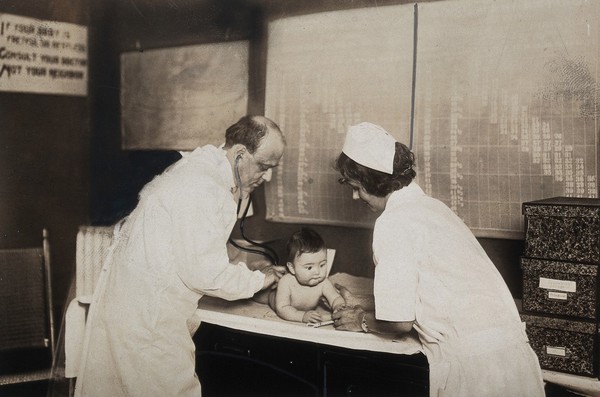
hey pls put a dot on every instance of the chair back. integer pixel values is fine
(25, 299)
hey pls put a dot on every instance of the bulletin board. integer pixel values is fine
(506, 105)
(183, 97)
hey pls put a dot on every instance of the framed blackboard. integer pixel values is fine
(182, 97)
(506, 104)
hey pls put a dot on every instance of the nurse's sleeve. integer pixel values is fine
(396, 277)
(201, 233)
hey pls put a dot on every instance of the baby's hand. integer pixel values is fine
(311, 316)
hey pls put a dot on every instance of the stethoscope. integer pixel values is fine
(269, 253)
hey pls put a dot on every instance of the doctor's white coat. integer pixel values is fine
(169, 252)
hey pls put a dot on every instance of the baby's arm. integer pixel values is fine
(283, 303)
(336, 301)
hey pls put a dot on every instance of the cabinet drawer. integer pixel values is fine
(238, 364)
(564, 345)
(375, 374)
(560, 288)
(283, 355)
(563, 228)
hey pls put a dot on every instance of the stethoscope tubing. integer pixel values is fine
(271, 255)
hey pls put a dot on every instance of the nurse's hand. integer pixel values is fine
(348, 319)
(365, 301)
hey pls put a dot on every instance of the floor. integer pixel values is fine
(557, 391)
(40, 389)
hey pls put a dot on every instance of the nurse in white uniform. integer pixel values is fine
(167, 254)
(431, 274)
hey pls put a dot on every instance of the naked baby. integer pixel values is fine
(300, 291)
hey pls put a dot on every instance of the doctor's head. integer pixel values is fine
(374, 164)
(254, 146)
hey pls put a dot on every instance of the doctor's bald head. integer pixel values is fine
(254, 145)
(250, 131)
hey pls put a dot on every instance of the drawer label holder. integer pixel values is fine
(558, 285)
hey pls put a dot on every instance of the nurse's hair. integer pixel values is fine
(304, 241)
(249, 131)
(375, 182)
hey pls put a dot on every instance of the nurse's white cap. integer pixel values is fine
(370, 145)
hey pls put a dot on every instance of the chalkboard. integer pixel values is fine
(505, 109)
(325, 72)
(506, 106)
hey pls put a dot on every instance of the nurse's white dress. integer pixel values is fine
(430, 269)
(169, 252)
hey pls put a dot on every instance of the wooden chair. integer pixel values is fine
(26, 320)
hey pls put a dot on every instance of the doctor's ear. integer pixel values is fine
(239, 152)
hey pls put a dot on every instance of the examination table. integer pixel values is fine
(243, 348)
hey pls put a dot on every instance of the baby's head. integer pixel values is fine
(307, 257)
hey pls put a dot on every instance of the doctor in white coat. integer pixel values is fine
(167, 254)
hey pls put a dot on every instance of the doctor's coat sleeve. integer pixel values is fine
(203, 219)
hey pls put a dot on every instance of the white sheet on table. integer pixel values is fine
(251, 316)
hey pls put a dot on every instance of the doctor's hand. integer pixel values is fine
(258, 264)
(348, 319)
(272, 275)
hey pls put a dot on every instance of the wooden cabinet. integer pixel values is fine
(237, 363)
